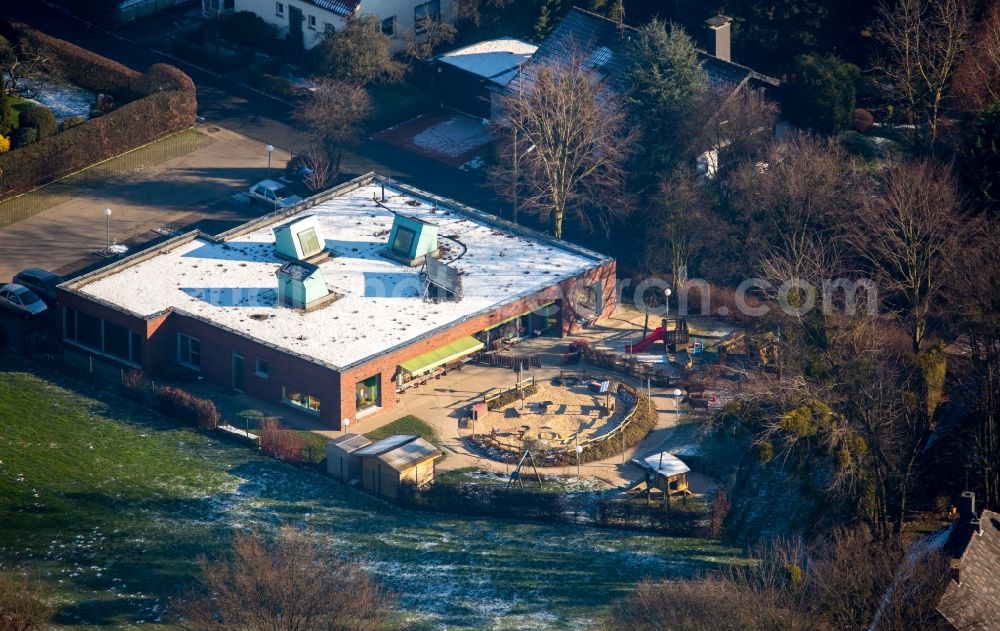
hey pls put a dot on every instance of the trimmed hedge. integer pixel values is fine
(42, 119)
(79, 65)
(167, 105)
(184, 406)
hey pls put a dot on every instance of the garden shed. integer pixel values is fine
(342, 461)
(397, 460)
(666, 472)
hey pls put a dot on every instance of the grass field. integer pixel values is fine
(110, 506)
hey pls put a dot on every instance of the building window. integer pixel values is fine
(423, 13)
(309, 242)
(311, 21)
(102, 337)
(189, 351)
(261, 368)
(403, 243)
(389, 26)
(279, 9)
(300, 400)
(369, 393)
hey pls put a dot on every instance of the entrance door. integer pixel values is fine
(239, 380)
(295, 19)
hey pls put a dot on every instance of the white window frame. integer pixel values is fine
(392, 28)
(311, 22)
(180, 357)
(279, 9)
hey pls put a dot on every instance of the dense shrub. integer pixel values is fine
(42, 119)
(245, 28)
(137, 386)
(863, 120)
(207, 56)
(22, 137)
(285, 444)
(276, 86)
(73, 121)
(185, 406)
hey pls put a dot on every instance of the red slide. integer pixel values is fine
(646, 342)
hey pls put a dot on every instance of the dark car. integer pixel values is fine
(40, 281)
(21, 300)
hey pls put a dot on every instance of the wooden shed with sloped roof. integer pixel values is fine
(397, 460)
(342, 460)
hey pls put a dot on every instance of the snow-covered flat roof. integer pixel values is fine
(232, 282)
(663, 463)
(491, 58)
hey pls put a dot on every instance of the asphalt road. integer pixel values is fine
(233, 106)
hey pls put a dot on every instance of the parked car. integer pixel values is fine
(21, 300)
(41, 282)
(273, 193)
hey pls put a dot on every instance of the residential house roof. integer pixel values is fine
(340, 7)
(602, 42)
(973, 601)
(496, 59)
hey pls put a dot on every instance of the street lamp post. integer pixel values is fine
(344, 424)
(107, 218)
(270, 149)
(579, 450)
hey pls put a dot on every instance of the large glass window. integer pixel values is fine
(369, 392)
(189, 351)
(102, 336)
(389, 26)
(300, 400)
(403, 243)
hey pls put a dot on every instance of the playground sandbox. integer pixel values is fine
(557, 416)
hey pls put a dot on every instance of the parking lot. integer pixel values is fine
(205, 188)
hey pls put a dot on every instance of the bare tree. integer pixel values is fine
(291, 584)
(22, 63)
(914, 233)
(922, 44)
(977, 79)
(432, 34)
(334, 115)
(472, 10)
(22, 604)
(321, 173)
(742, 126)
(563, 131)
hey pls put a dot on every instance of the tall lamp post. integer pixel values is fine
(270, 149)
(579, 450)
(344, 424)
(107, 218)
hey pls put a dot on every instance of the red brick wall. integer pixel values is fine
(218, 345)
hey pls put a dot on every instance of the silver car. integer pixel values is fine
(21, 300)
(273, 193)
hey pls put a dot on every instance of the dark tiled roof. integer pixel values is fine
(602, 43)
(974, 601)
(340, 7)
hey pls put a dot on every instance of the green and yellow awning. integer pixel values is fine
(441, 356)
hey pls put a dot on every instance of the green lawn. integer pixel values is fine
(110, 505)
(406, 425)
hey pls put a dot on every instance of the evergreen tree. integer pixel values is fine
(983, 155)
(822, 93)
(665, 83)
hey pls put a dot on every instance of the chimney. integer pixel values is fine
(720, 26)
(966, 506)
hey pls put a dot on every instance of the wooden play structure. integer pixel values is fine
(665, 473)
(672, 332)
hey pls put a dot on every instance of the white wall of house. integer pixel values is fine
(398, 16)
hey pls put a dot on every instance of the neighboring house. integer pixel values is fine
(972, 599)
(334, 306)
(601, 44)
(469, 78)
(395, 461)
(305, 21)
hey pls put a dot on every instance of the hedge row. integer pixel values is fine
(204, 55)
(78, 65)
(276, 86)
(167, 105)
